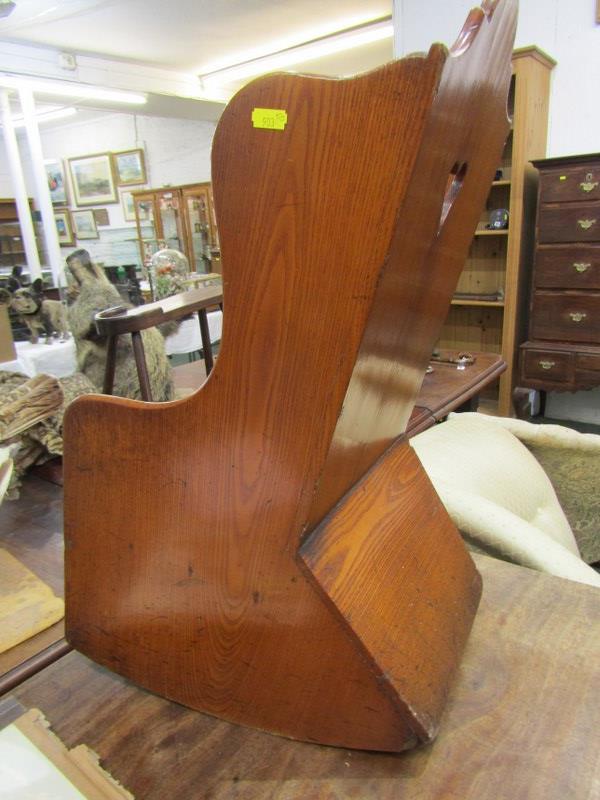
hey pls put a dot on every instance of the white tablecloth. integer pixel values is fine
(187, 339)
(57, 359)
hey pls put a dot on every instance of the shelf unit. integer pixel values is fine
(182, 218)
(499, 260)
(12, 252)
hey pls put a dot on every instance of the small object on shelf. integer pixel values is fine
(498, 175)
(498, 219)
(485, 298)
(461, 359)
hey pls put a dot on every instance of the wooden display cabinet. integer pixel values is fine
(488, 312)
(12, 249)
(181, 218)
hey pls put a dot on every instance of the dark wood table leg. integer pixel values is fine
(140, 362)
(109, 370)
(205, 336)
(472, 404)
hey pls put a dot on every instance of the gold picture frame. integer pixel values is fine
(64, 227)
(127, 205)
(57, 181)
(84, 224)
(93, 180)
(130, 167)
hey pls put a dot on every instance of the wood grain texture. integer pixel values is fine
(193, 512)
(385, 535)
(31, 530)
(521, 720)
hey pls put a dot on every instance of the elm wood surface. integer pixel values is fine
(446, 389)
(521, 721)
(566, 316)
(195, 509)
(580, 222)
(572, 266)
(559, 366)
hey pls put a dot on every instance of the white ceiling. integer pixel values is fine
(183, 38)
(185, 35)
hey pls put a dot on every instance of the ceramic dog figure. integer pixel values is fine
(42, 316)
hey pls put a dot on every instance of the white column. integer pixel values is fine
(42, 193)
(397, 23)
(18, 182)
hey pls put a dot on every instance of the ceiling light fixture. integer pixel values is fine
(347, 39)
(81, 91)
(46, 116)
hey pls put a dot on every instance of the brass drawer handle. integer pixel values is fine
(588, 184)
(577, 316)
(586, 224)
(581, 266)
(547, 364)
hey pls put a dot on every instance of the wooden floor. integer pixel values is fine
(31, 529)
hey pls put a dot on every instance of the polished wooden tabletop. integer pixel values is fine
(522, 720)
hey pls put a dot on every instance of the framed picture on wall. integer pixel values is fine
(130, 167)
(101, 217)
(57, 183)
(128, 206)
(84, 224)
(93, 180)
(63, 227)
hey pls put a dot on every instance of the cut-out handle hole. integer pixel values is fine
(453, 187)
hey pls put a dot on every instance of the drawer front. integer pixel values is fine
(573, 222)
(587, 369)
(571, 317)
(571, 267)
(545, 365)
(581, 182)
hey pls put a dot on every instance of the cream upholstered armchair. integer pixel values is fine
(525, 493)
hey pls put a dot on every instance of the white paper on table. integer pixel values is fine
(26, 773)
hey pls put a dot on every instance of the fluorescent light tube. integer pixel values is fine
(70, 89)
(336, 43)
(46, 116)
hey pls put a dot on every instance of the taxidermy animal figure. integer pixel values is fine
(42, 316)
(91, 292)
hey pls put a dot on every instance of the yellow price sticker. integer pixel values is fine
(562, 178)
(274, 119)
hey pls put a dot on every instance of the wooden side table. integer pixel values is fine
(116, 321)
(522, 719)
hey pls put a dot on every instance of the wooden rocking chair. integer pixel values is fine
(268, 550)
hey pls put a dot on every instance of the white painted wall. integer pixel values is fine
(177, 151)
(565, 29)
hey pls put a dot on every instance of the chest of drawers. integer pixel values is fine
(563, 347)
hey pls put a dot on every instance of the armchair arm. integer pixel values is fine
(572, 462)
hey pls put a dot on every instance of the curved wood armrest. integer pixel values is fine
(113, 322)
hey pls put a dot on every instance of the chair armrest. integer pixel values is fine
(572, 462)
